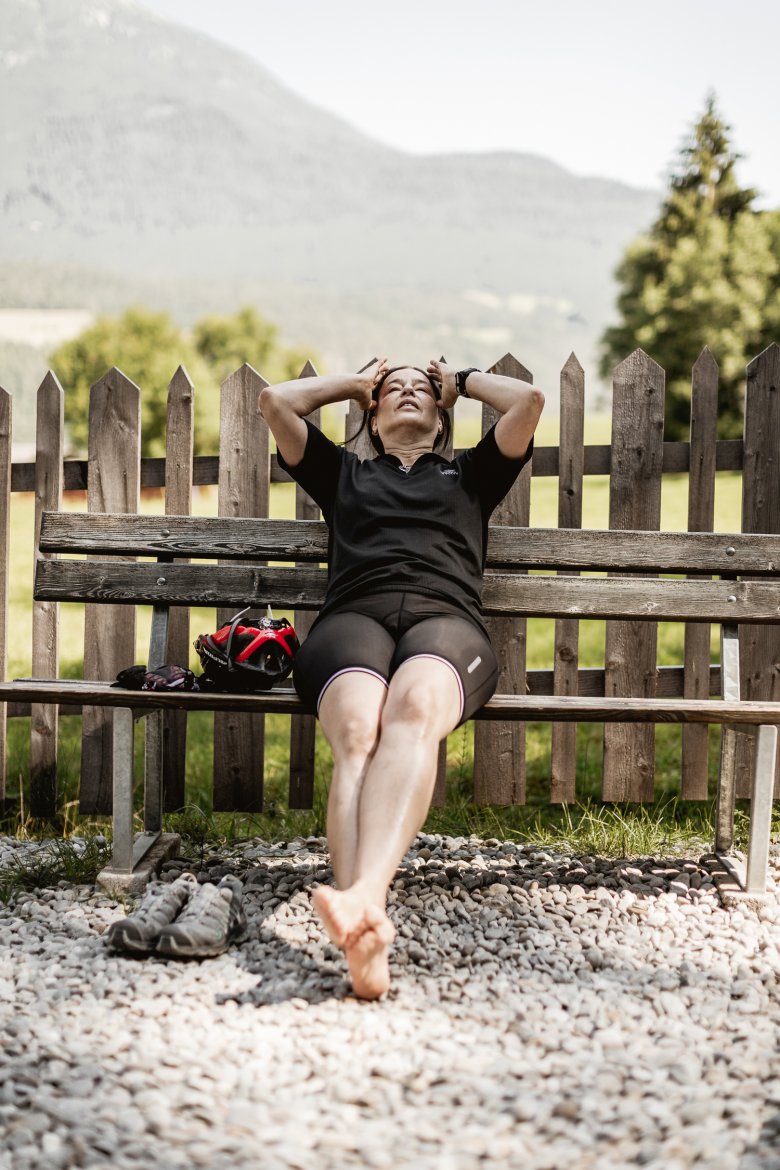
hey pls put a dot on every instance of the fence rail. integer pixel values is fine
(636, 459)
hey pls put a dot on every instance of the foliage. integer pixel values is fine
(75, 862)
(227, 342)
(148, 347)
(703, 275)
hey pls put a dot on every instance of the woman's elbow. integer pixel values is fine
(267, 400)
(536, 401)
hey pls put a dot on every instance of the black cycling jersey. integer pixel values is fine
(421, 531)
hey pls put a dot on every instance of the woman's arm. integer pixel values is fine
(285, 405)
(519, 403)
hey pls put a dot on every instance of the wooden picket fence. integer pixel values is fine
(635, 462)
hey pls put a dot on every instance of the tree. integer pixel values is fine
(225, 343)
(771, 331)
(148, 347)
(700, 276)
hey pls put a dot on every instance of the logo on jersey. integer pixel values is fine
(449, 471)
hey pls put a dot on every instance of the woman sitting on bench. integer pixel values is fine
(398, 656)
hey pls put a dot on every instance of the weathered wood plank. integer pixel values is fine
(539, 682)
(529, 708)
(179, 443)
(728, 457)
(239, 741)
(356, 434)
(439, 797)
(109, 633)
(5, 548)
(701, 516)
(634, 502)
(563, 754)
(49, 446)
(760, 649)
(505, 595)
(204, 537)
(499, 752)
(303, 727)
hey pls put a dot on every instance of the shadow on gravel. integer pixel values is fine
(519, 915)
(305, 966)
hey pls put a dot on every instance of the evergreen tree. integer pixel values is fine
(700, 276)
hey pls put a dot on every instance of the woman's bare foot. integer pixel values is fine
(341, 911)
(368, 954)
(363, 931)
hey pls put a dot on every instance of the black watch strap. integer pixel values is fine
(460, 380)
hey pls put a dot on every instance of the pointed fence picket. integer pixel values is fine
(635, 461)
(179, 444)
(499, 748)
(303, 727)
(634, 502)
(701, 517)
(759, 650)
(114, 479)
(50, 435)
(571, 452)
(244, 477)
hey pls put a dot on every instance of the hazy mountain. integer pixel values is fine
(144, 160)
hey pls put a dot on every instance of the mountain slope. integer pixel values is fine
(150, 153)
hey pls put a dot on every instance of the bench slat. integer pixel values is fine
(530, 708)
(232, 538)
(643, 599)
(590, 681)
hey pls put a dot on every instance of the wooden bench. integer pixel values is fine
(725, 579)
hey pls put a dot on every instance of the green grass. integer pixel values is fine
(586, 824)
(62, 861)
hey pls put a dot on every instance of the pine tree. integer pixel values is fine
(700, 276)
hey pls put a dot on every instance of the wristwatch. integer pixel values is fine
(460, 381)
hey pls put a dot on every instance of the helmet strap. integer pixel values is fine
(233, 626)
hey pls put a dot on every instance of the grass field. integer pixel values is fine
(460, 816)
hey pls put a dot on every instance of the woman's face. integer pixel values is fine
(406, 405)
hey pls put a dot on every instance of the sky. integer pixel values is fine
(603, 87)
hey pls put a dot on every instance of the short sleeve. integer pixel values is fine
(319, 470)
(493, 472)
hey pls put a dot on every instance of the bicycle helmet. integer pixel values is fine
(247, 655)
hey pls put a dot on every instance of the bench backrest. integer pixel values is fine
(728, 578)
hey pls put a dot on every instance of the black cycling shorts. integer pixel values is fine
(376, 633)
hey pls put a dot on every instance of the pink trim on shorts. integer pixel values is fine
(349, 670)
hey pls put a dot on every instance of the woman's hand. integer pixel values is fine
(368, 380)
(444, 376)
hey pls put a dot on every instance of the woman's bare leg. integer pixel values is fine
(421, 708)
(350, 712)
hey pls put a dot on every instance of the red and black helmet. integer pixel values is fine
(248, 655)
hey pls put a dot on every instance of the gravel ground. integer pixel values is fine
(547, 1011)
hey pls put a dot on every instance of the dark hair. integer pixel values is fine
(441, 440)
